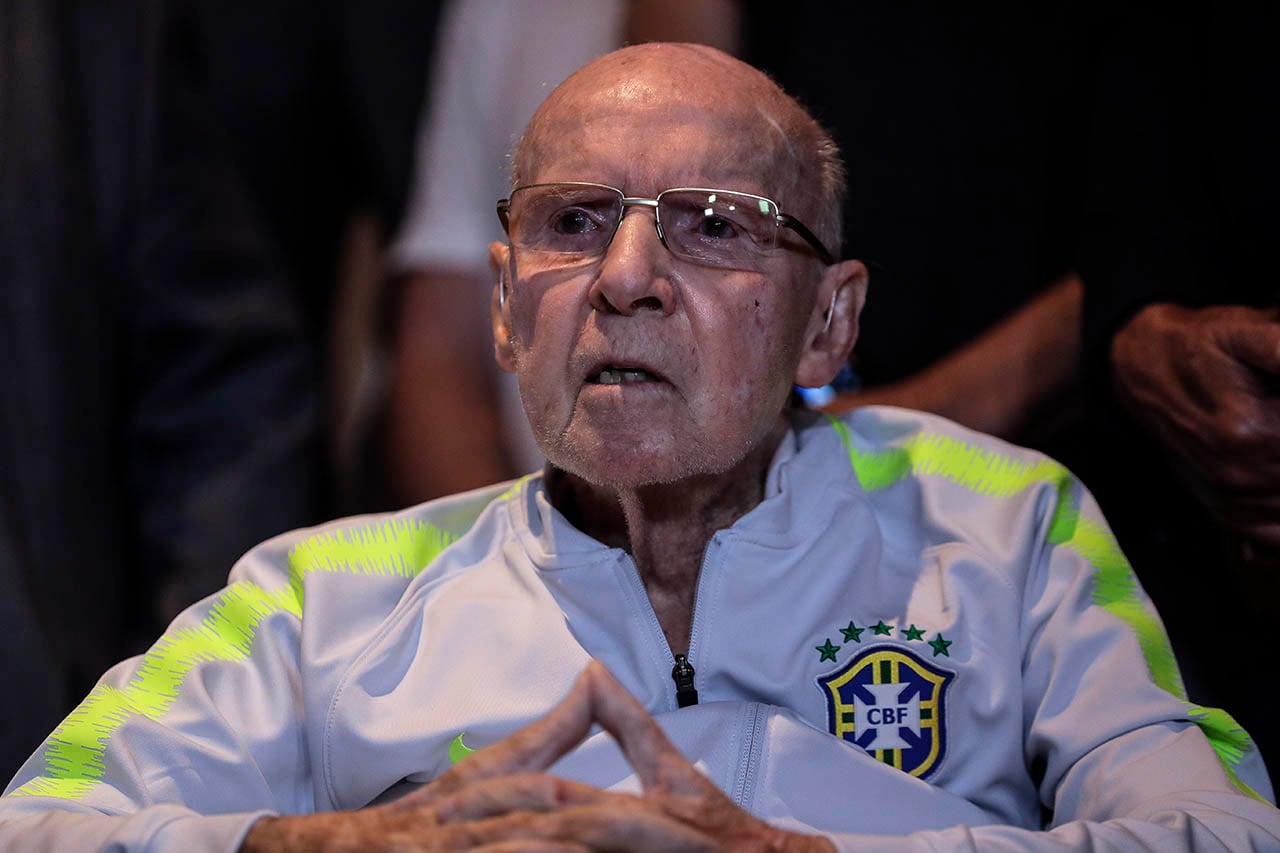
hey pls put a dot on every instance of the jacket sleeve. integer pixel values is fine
(1122, 760)
(221, 722)
(185, 746)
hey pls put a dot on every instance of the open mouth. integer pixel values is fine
(621, 375)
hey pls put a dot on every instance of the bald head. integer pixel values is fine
(639, 88)
(707, 313)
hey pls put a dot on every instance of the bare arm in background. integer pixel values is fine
(442, 394)
(998, 381)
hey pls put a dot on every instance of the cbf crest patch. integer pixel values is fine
(891, 703)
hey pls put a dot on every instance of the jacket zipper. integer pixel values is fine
(682, 674)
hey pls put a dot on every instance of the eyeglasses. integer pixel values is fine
(574, 220)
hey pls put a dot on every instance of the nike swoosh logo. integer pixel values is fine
(459, 750)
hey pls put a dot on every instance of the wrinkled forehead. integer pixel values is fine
(663, 118)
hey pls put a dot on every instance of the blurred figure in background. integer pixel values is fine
(450, 419)
(184, 187)
(160, 410)
(320, 99)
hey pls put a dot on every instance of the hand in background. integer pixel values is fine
(1206, 382)
(500, 798)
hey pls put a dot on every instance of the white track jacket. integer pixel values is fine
(922, 639)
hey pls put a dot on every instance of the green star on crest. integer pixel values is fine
(913, 633)
(940, 646)
(852, 634)
(828, 651)
(881, 629)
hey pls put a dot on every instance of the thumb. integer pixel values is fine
(533, 748)
(657, 762)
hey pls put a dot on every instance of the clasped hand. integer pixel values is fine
(501, 798)
(1205, 382)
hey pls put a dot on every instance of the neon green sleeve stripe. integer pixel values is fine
(73, 753)
(985, 472)
(400, 547)
(1115, 588)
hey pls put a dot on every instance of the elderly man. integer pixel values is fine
(844, 630)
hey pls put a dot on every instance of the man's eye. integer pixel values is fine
(717, 228)
(573, 222)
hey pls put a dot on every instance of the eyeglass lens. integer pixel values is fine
(717, 226)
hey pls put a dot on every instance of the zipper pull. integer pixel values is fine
(682, 674)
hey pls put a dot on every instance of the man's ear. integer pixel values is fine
(833, 328)
(500, 307)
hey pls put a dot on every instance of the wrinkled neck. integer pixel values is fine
(666, 527)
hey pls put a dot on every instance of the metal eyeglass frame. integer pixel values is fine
(782, 219)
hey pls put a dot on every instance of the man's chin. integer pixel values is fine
(618, 465)
(658, 457)
(626, 474)
(634, 470)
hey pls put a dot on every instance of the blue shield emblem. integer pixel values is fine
(892, 704)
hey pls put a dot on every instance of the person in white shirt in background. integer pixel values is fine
(452, 420)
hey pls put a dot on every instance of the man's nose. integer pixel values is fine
(635, 274)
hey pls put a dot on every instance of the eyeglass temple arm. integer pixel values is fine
(797, 226)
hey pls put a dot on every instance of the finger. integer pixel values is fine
(1252, 337)
(527, 846)
(656, 760)
(532, 749)
(632, 827)
(527, 792)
